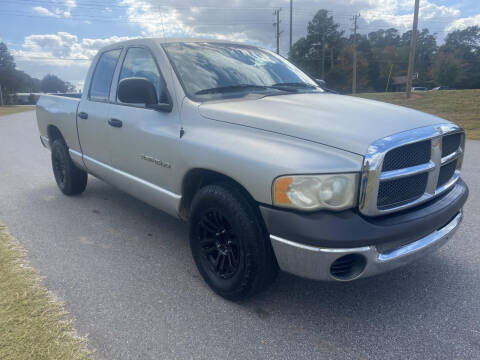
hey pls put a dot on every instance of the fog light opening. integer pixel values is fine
(348, 267)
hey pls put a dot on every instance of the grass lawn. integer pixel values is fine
(11, 109)
(460, 106)
(32, 324)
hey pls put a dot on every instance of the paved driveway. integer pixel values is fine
(125, 272)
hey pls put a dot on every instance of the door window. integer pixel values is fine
(103, 75)
(139, 62)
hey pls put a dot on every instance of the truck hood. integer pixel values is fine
(344, 122)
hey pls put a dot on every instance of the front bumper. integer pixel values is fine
(347, 246)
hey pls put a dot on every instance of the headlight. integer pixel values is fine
(313, 192)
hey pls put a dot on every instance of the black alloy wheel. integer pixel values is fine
(59, 167)
(219, 244)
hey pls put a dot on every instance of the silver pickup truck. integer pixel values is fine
(270, 170)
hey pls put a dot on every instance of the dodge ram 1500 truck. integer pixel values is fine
(269, 170)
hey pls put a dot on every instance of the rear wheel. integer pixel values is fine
(70, 179)
(229, 244)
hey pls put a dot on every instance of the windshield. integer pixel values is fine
(217, 70)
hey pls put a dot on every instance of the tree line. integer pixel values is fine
(13, 80)
(382, 57)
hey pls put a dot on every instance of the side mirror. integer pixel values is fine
(321, 82)
(137, 90)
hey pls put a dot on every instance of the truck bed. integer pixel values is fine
(60, 112)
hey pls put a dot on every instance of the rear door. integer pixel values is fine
(93, 113)
(146, 144)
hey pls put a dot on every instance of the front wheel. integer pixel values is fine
(229, 244)
(70, 179)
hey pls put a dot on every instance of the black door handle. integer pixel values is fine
(115, 122)
(83, 115)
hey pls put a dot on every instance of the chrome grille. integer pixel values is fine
(407, 156)
(394, 193)
(450, 143)
(409, 168)
(446, 172)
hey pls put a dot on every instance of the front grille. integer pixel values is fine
(446, 173)
(397, 192)
(407, 156)
(451, 143)
(399, 173)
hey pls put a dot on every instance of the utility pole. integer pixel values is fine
(354, 79)
(413, 43)
(277, 24)
(323, 51)
(291, 23)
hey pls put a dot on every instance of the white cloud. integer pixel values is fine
(43, 11)
(60, 11)
(63, 45)
(62, 54)
(464, 22)
(399, 14)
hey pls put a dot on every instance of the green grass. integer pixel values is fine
(32, 324)
(12, 109)
(460, 106)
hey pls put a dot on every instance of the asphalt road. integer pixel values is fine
(125, 273)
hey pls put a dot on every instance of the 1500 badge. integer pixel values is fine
(161, 163)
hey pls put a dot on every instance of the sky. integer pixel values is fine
(61, 36)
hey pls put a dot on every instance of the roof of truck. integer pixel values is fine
(167, 40)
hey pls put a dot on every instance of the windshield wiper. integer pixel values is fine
(238, 87)
(295, 85)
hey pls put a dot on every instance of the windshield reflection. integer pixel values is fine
(241, 69)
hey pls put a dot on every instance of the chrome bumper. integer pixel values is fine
(316, 263)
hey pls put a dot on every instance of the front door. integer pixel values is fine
(144, 142)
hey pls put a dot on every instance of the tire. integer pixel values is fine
(229, 242)
(70, 179)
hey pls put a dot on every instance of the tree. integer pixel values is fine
(345, 63)
(383, 38)
(322, 35)
(6, 59)
(464, 47)
(426, 49)
(7, 70)
(447, 69)
(52, 83)
(456, 63)
(11, 79)
(468, 39)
